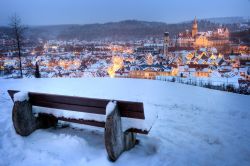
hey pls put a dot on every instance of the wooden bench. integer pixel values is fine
(116, 141)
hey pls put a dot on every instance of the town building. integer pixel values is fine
(194, 38)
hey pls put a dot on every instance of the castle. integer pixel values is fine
(216, 38)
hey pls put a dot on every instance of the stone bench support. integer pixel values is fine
(25, 122)
(117, 141)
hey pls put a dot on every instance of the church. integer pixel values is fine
(194, 38)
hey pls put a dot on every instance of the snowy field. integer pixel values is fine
(195, 126)
(216, 81)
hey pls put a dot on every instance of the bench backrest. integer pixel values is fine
(90, 105)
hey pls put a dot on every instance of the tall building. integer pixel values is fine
(194, 28)
(166, 43)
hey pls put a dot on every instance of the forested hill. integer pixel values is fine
(124, 30)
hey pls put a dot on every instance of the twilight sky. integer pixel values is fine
(47, 12)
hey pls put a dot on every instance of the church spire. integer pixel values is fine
(195, 20)
(195, 27)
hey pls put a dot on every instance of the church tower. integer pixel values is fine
(194, 28)
(166, 43)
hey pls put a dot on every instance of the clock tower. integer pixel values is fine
(194, 28)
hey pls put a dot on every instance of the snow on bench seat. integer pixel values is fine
(127, 123)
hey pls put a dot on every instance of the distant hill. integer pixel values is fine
(123, 30)
(229, 20)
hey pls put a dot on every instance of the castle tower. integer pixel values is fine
(166, 43)
(194, 28)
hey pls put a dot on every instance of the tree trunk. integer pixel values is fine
(19, 56)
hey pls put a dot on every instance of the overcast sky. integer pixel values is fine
(47, 12)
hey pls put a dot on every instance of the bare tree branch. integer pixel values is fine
(17, 33)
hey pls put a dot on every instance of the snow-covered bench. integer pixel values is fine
(117, 140)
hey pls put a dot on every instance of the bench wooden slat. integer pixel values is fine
(130, 114)
(95, 123)
(95, 110)
(130, 106)
(71, 100)
(138, 131)
(11, 93)
(127, 109)
(78, 108)
(81, 121)
(98, 124)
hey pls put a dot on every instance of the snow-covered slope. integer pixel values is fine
(195, 126)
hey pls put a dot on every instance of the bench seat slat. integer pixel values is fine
(72, 100)
(95, 123)
(69, 107)
(130, 114)
(138, 131)
(130, 106)
(94, 110)
(11, 93)
(81, 121)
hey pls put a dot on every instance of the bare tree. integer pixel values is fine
(17, 32)
(37, 72)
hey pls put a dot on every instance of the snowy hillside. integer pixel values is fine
(195, 126)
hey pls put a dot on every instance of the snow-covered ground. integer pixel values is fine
(195, 126)
(216, 81)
